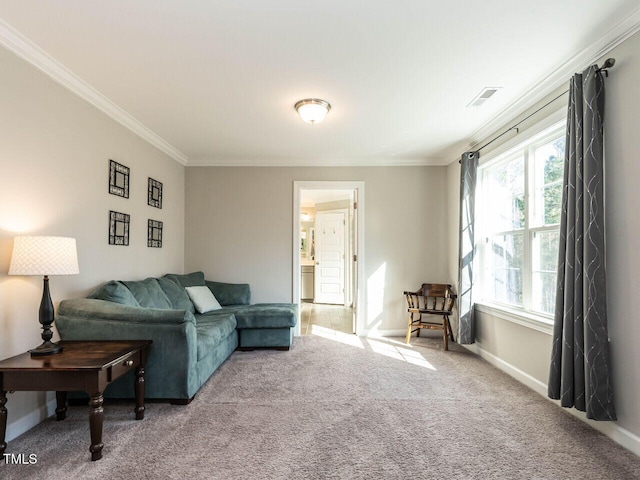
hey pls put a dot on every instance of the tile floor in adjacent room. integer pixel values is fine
(334, 317)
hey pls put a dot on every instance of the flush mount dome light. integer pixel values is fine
(312, 110)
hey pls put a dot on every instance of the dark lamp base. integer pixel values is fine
(47, 348)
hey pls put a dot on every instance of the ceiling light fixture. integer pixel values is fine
(312, 110)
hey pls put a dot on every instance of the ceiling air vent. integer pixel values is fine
(483, 96)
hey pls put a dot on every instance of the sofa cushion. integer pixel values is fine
(212, 330)
(149, 294)
(189, 280)
(230, 293)
(203, 299)
(177, 295)
(265, 315)
(114, 291)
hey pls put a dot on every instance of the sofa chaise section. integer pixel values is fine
(262, 325)
(266, 325)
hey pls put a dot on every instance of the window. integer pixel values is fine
(520, 200)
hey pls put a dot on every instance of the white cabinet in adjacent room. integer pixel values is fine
(307, 291)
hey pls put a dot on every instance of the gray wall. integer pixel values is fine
(623, 228)
(54, 156)
(525, 350)
(239, 229)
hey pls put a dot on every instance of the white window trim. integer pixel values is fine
(533, 320)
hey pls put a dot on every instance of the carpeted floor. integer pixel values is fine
(339, 408)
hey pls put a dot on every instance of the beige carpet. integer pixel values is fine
(365, 409)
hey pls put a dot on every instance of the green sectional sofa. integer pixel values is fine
(188, 346)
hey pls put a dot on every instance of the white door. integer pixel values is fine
(330, 249)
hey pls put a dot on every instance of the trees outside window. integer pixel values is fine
(520, 199)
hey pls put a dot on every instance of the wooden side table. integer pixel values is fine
(88, 366)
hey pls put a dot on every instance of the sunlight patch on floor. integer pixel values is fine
(391, 340)
(400, 353)
(346, 338)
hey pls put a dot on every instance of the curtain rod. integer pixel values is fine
(609, 62)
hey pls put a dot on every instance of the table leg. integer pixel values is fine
(61, 405)
(3, 420)
(96, 419)
(138, 387)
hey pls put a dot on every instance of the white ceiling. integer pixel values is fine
(213, 82)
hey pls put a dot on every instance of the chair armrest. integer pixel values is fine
(413, 301)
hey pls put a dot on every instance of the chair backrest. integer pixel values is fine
(438, 296)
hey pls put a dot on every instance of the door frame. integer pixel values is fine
(358, 296)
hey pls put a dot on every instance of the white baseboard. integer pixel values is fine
(30, 420)
(612, 430)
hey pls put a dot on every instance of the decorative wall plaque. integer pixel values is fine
(154, 197)
(118, 228)
(118, 179)
(154, 234)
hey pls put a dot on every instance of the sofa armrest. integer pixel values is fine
(230, 293)
(89, 308)
(171, 367)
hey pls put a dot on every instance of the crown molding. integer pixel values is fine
(297, 162)
(21, 46)
(24, 48)
(554, 80)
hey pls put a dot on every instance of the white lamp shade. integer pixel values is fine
(312, 110)
(44, 256)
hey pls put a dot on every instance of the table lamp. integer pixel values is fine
(44, 256)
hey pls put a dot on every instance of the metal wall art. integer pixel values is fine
(154, 198)
(118, 179)
(118, 228)
(154, 234)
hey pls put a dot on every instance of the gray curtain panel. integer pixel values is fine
(467, 249)
(580, 368)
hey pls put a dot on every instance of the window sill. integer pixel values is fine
(535, 322)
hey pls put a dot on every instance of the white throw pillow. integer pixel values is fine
(203, 299)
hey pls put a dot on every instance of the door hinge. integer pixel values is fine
(355, 205)
(355, 258)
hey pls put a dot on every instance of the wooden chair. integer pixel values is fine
(432, 300)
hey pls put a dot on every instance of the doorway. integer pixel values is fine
(328, 246)
(318, 318)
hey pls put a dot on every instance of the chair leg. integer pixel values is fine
(408, 339)
(445, 332)
(450, 330)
